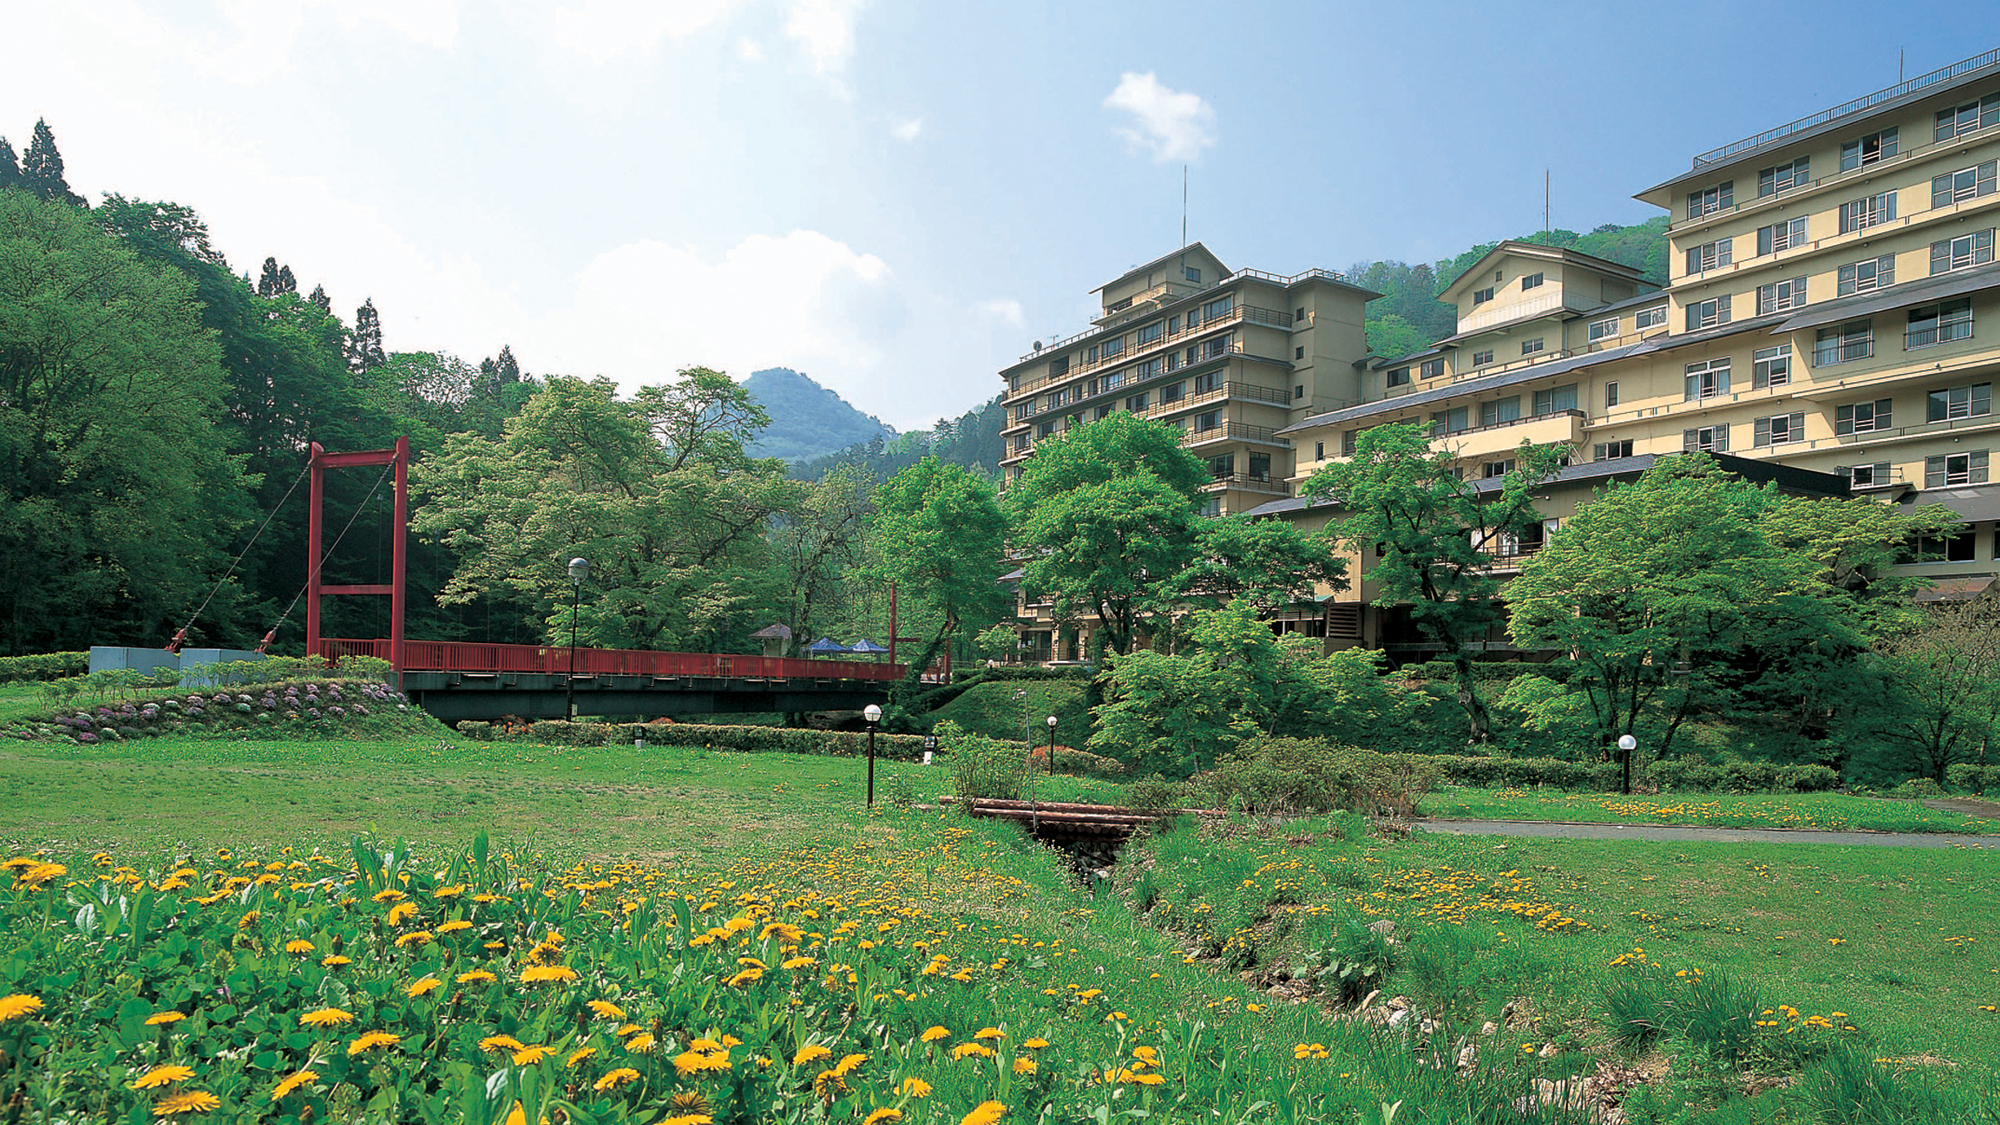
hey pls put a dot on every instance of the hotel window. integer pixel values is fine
(1045, 429)
(1707, 379)
(1708, 314)
(1610, 395)
(1111, 381)
(1223, 466)
(1146, 370)
(1531, 281)
(1299, 352)
(1137, 402)
(1319, 451)
(1530, 347)
(1114, 347)
(1057, 367)
(1864, 276)
(1599, 329)
(1649, 318)
(1781, 236)
(1868, 211)
(1713, 439)
(1207, 381)
(1948, 254)
(1398, 377)
(1298, 391)
(1151, 332)
(1481, 359)
(1481, 296)
(1784, 177)
(1500, 410)
(1208, 420)
(1939, 323)
(1868, 476)
(1868, 150)
(1103, 412)
(1432, 368)
(1781, 295)
(1608, 450)
(1173, 324)
(1555, 399)
(1960, 120)
(1300, 315)
(1194, 355)
(1348, 439)
(1840, 344)
(1212, 507)
(1213, 348)
(1975, 401)
(1173, 392)
(1260, 466)
(1218, 307)
(1056, 399)
(1710, 255)
(1450, 421)
(1966, 183)
(1771, 367)
(1862, 417)
(1710, 200)
(1192, 274)
(1955, 468)
(1492, 469)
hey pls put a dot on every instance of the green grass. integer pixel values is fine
(1727, 810)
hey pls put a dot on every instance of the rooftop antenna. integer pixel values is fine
(1184, 197)
(1545, 201)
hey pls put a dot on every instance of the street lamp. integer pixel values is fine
(873, 714)
(1052, 743)
(578, 570)
(1627, 744)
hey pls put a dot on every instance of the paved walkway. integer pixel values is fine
(1674, 833)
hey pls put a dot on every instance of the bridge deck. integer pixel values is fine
(461, 656)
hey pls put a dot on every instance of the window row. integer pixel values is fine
(1554, 400)
(1110, 349)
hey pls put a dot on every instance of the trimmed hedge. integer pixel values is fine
(1967, 777)
(1462, 769)
(1682, 775)
(1000, 673)
(786, 740)
(42, 666)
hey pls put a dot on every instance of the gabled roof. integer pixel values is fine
(1954, 284)
(1190, 248)
(1516, 249)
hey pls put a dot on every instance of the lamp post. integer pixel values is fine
(1052, 743)
(873, 714)
(1627, 744)
(578, 570)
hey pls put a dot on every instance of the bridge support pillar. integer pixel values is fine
(321, 461)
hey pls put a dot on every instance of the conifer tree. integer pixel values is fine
(10, 168)
(286, 282)
(320, 300)
(365, 351)
(267, 284)
(42, 168)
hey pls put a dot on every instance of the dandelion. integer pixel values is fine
(424, 987)
(689, 1119)
(620, 1077)
(298, 947)
(578, 1055)
(371, 1041)
(18, 1005)
(882, 1115)
(985, 1114)
(335, 961)
(605, 1010)
(415, 937)
(162, 1019)
(453, 926)
(989, 1033)
(1035, 1044)
(161, 1076)
(689, 1102)
(326, 1017)
(1309, 1051)
(641, 1043)
(935, 1034)
(529, 1056)
(542, 974)
(1148, 1079)
(390, 895)
(293, 1083)
(848, 1065)
(477, 976)
(1024, 1066)
(401, 911)
(810, 1053)
(193, 1101)
(914, 1088)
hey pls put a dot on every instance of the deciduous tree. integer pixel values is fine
(940, 536)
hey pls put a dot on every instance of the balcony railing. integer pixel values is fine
(1242, 430)
(1253, 482)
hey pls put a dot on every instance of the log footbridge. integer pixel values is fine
(1090, 834)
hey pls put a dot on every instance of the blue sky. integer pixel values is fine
(895, 196)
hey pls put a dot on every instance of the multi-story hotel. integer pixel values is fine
(1826, 280)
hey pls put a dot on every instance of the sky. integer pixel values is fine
(896, 197)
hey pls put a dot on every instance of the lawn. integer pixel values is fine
(1723, 810)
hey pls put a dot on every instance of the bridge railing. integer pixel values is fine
(463, 656)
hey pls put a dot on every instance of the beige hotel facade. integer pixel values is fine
(1831, 320)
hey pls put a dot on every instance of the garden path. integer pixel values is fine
(1666, 833)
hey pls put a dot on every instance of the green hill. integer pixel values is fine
(807, 420)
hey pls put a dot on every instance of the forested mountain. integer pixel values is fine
(972, 440)
(807, 420)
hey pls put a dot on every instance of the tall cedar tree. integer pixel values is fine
(42, 168)
(365, 352)
(320, 300)
(10, 168)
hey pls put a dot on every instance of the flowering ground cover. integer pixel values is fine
(1725, 810)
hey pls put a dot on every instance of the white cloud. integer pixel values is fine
(1006, 310)
(264, 33)
(604, 29)
(749, 50)
(825, 29)
(643, 310)
(907, 130)
(1173, 125)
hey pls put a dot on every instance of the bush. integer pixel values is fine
(1687, 775)
(1003, 672)
(1461, 769)
(43, 666)
(475, 730)
(1294, 775)
(1154, 792)
(981, 766)
(1966, 777)
(1916, 789)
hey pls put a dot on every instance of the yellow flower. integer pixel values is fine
(401, 911)
(453, 926)
(477, 976)
(452, 891)
(935, 1034)
(986, 1114)
(1024, 1066)
(388, 896)
(914, 1088)
(578, 1055)
(194, 1101)
(1035, 1044)
(299, 946)
(810, 1053)
(529, 1056)
(293, 1083)
(747, 976)
(501, 1043)
(689, 1119)
(335, 961)
(18, 1005)
(161, 1019)
(326, 1017)
(989, 1033)
(641, 1044)
(606, 1010)
(616, 1078)
(968, 1050)
(1147, 1079)
(541, 974)
(40, 873)
(371, 1041)
(1147, 1055)
(1309, 1051)
(882, 1115)
(424, 986)
(415, 937)
(161, 1076)
(847, 1065)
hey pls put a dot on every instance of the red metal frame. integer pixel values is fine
(321, 462)
(467, 656)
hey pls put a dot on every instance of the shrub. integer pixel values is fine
(1154, 792)
(1967, 777)
(475, 730)
(1294, 775)
(1917, 789)
(43, 666)
(981, 766)
(1688, 775)
(1460, 769)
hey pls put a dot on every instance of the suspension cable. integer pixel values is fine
(180, 636)
(320, 563)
